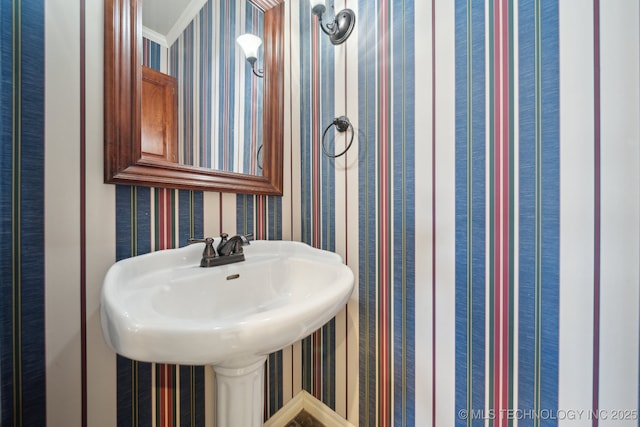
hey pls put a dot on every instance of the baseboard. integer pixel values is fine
(313, 406)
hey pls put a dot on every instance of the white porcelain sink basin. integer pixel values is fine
(163, 307)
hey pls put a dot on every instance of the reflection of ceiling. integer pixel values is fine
(166, 19)
(161, 15)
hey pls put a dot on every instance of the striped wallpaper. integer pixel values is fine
(317, 188)
(489, 207)
(495, 209)
(510, 218)
(22, 269)
(386, 212)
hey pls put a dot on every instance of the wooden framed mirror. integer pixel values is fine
(124, 162)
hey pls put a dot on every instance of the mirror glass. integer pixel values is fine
(219, 100)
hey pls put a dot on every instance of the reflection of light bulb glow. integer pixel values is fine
(249, 44)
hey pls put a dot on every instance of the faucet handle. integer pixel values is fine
(191, 240)
(209, 251)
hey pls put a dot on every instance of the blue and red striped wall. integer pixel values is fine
(489, 206)
(507, 207)
(22, 270)
(387, 280)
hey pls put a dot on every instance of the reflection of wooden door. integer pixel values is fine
(159, 116)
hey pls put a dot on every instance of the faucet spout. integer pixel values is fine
(233, 245)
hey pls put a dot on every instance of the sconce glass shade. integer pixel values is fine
(249, 44)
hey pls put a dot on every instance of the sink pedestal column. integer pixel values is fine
(239, 392)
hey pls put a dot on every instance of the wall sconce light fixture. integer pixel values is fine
(341, 27)
(250, 44)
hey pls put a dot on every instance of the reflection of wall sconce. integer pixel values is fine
(341, 27)
(259, 157)
(250, 44)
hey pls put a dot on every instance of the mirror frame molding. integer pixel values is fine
(123, 163)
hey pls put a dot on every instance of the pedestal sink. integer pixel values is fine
(163, 307)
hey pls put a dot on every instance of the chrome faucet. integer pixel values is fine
(228, 250)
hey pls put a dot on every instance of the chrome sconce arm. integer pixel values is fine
(250, 44)
(340, 29)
